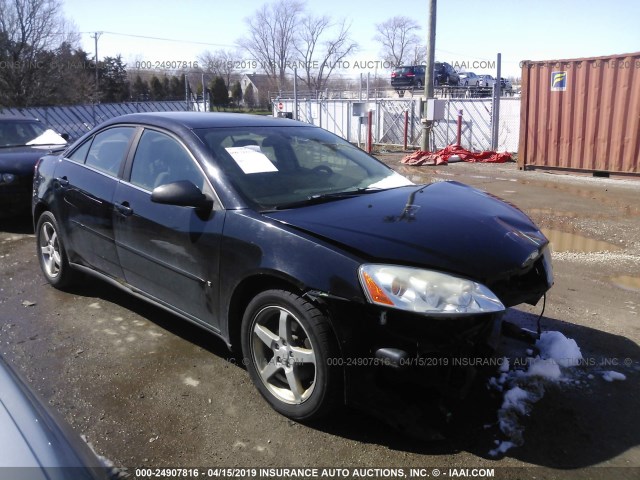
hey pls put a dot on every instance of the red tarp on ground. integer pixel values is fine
(442, 156)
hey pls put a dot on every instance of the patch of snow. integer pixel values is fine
(516, 399)
(504, 365)
(502, 448)
(523, 388)
(611, 376)
(545, 368)
(555, 346)
(192, 382)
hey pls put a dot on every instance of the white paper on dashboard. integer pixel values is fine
(251, 160)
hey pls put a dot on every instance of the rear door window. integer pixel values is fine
(108, 149)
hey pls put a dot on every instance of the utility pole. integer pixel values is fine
(96, 36)
(495, 111)
(428, 74)
(204, 95)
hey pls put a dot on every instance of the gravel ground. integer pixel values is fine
(148, 390)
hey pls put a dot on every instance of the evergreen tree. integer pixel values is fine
(156, 90)
(249, 97)
(139, 90)
(236, 93)
(219, 93)
(114, 86)
(177, 88)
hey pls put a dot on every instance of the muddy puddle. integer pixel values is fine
(627, 282)
(574, 242)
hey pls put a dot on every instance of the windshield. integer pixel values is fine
(17, 133)
(277, 166)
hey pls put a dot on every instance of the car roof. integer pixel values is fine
(193, 120)
(16, 118)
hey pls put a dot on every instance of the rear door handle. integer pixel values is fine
(123, 209)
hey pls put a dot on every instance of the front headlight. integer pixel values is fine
(426, 291)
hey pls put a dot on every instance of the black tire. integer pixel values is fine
(418, 84)
(290, 350)
(51, 252)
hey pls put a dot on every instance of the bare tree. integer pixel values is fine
(418, 55)
(318, 59)
(221, 63)
(36, 25)
(30, 31)
(399, 38)
(271, 39)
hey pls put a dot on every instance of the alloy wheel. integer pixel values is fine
(283, 355)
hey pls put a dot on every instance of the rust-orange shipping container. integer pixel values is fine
(581, 114)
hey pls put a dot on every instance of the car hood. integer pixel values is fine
(22, 159)
(446, 226)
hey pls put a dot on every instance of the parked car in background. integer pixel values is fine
(445, 74)
(469, 79)
(505, 85)
(487, 80)
(412, 76)
(22, 141)
(408, 77)
(35, 443)
(324, 267)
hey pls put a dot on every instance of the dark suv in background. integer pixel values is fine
(412, 76)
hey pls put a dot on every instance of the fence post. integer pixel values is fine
(369, 131)
(459, 137)
(406, 127)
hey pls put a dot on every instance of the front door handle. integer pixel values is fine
(123, 209)
(63, 181)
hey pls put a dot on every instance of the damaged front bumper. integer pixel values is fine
(388, 356)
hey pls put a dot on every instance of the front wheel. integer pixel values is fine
(290, 351)
(51, 252)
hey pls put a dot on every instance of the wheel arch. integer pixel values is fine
(251, 286)
(244, 292)
(38, 210)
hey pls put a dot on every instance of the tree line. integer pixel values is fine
(41, 62)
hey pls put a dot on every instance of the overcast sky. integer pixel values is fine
(469, 33)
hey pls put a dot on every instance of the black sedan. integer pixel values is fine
(22, 142)
(328, 271)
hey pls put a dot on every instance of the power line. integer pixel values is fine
(165, 39)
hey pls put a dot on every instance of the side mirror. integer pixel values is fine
(65, 136)
(183, 194)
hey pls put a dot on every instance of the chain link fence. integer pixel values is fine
(79, 119)
(397, 121)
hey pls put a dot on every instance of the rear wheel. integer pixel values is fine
(51, 252)
(289, 348)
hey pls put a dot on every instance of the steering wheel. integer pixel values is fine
(323, 169)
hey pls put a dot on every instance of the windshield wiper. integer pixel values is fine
(327, 197)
